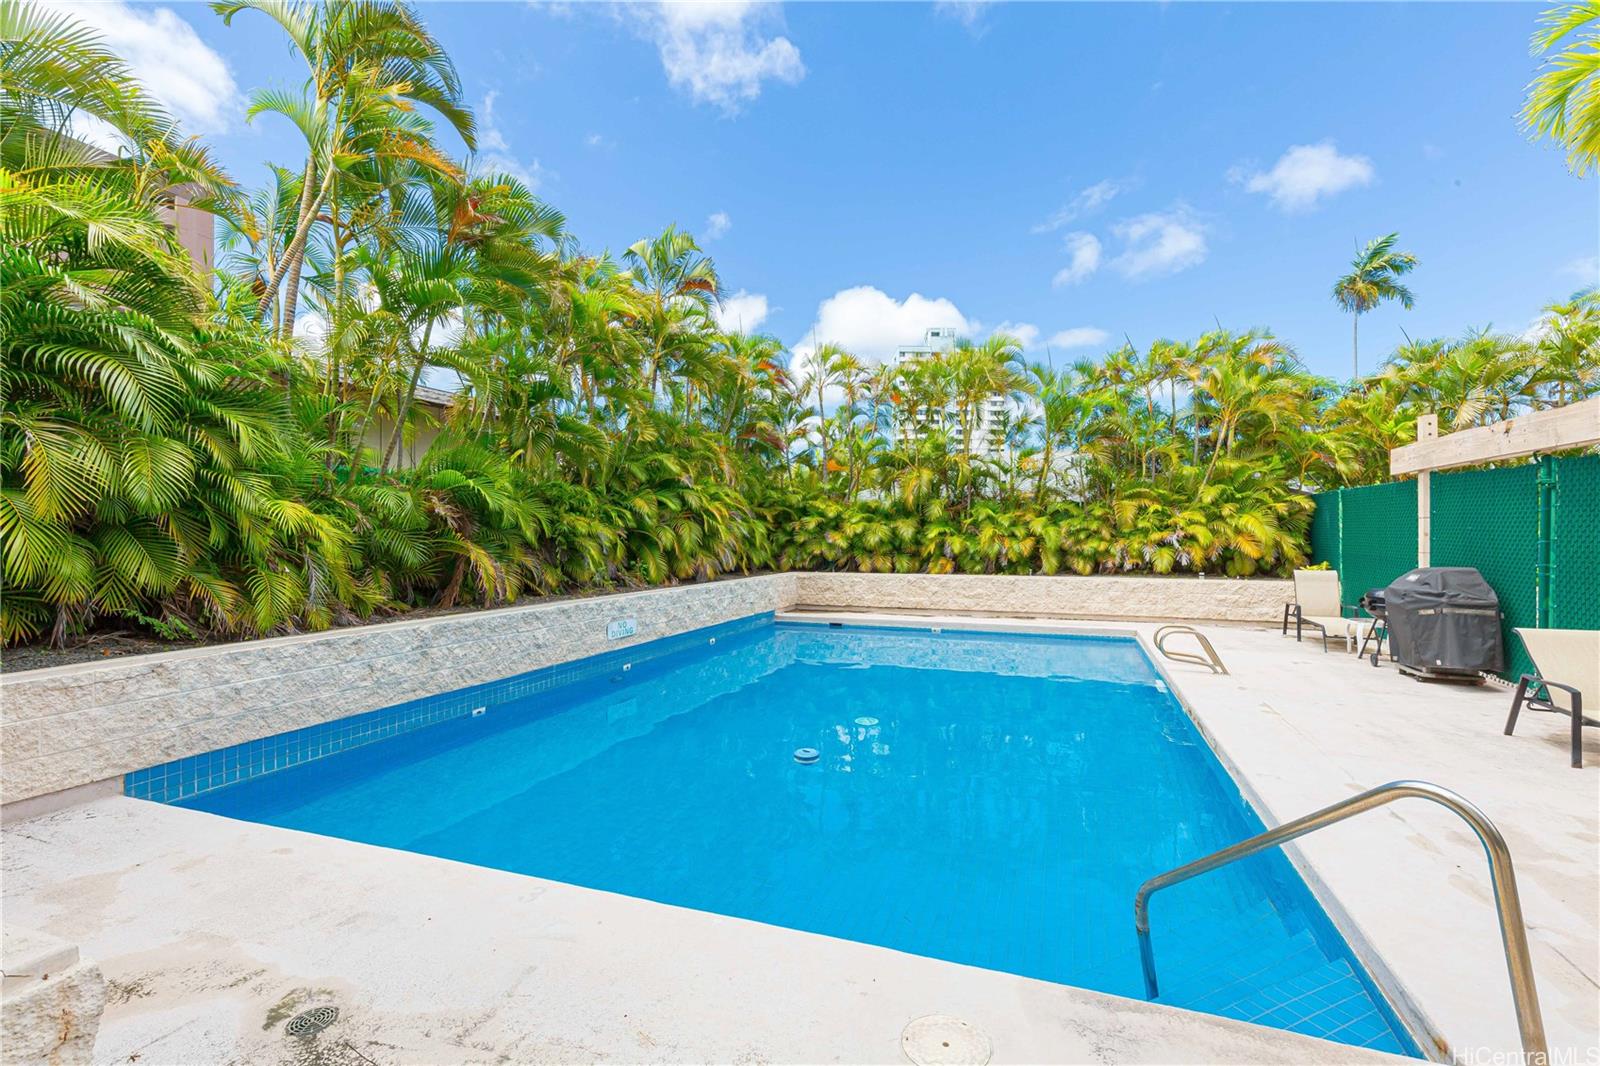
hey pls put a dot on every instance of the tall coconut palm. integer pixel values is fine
(1373, 278)
(1563, 102)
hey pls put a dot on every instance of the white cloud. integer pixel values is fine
(1535, 331)
(1160, 242)
(595, 140)
(1083, 252)
(92, 129)
(1025, 332)
(743, 312)
(717, 224)
(872, 324)
(310, 328)
(494, 154)
(1078, 337)
(1086, 202)
(967, 12)
(1307, 173)
(1585, 268)
(717, 51)
(167, 57)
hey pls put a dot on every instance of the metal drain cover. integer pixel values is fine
(940, 1040)
(311, 1022)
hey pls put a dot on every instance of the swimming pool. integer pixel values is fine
(993, 799)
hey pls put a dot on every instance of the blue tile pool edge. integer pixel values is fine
(193, 775)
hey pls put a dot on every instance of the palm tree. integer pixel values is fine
(369, 63)
(1373, 278)
(125, 467)
(156, 466)
(1470, 382)
(1567, 348)
(829, 366)
(1055, 400)
(1564, 100)
(1245, 387)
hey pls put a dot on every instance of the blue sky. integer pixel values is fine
(1073, 171)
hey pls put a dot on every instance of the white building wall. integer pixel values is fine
(412, 447)
(990, 416)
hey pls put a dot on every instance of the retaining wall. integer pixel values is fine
(72, 725)
(1142, 598)
(67, 726)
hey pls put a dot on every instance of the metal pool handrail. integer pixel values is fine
(1212, 659)
(1513, 933)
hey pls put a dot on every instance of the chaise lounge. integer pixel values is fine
(1317, 605)
(1568, 665)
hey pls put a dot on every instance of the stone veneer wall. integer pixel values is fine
(1070, 596)
(75, 725)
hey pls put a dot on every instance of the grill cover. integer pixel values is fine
(1445, 620)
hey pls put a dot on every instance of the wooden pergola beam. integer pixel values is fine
(1576, 425)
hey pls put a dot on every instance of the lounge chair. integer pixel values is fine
(1316, 604)
(1568, 665)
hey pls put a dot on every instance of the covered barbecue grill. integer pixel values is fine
(1444, 623)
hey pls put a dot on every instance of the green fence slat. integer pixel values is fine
(1378, 540)
(1489, 519)
(1575, 550)
(1325, 529)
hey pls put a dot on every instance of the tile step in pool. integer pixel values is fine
(1303, 993)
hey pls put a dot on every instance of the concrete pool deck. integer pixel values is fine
(212, 932)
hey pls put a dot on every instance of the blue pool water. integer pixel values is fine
(989, 799)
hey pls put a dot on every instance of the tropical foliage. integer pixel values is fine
(1564, 100)
(253, 448)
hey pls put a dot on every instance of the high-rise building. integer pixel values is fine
(988, 434)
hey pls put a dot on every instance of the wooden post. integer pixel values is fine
(1427, 429)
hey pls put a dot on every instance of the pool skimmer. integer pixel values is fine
(940, 1040)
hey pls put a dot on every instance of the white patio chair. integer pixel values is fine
(1317, 605)
(1568, 665)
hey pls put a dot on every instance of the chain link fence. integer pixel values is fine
(1487, 519)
